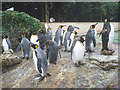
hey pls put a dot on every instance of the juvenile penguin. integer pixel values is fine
(52, 51)
(40, 62)
(49, 35)
(41, 38)
(25, 44)
(69, 40)
(77, 51)
(107, 35)
(58, 37)
(90, 39)
(6, 43)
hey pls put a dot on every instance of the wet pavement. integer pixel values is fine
(63, 75)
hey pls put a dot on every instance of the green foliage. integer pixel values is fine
(18, 22)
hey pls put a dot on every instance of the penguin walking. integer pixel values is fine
(107, 35)
(41, 38)
(77, 51)
(49, 35)
(52, 51)
(91, 39)
(69, 40)
(40, 62)
(58, 37)
(25, 44)
(6, 43)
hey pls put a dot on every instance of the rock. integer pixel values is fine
(104, 62)
(9, 59)
(105, 52)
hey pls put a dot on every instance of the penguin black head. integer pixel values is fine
(81, 39)
(61, 26)
(5, 36)
(41, 31)
(49, 28)
(48, 42)
(75, 32)
(35, 46)
(34, 33)
(22, 35)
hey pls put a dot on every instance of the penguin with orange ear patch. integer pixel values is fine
(77, 51)
(91, 39)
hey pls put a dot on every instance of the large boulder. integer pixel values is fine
(8, 58)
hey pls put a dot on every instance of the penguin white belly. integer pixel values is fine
(72, 39)
(33, 39)
(111, 37)
(63, 38)
(78, 52)
(5, 45)
(35, 61)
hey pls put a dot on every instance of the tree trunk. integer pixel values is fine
(43, 12)
(46, 12)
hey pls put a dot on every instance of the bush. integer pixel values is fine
(14, 23)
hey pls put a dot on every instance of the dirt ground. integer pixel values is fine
(63, 75)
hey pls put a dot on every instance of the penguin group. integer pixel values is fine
(78, 45)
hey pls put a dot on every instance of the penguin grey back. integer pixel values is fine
(90, 37)
(57, 35)
(40, 55)
(9, 43)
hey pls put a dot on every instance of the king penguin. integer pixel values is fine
(58, 37)
(77, 51)
(107, 35)
(52, 51)
(34, 38)
(40, 62)
(25, 44)
(70, 29)
(69, 38)
(6, 43)
(91, 39)
(41, 38)
(49, 35)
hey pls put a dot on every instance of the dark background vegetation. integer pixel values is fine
(67, 11)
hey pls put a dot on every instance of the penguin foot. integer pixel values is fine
(38, 75)
(48, 74)
(23, 58)
(41, 78)
(77, 65)
(91, 51)
(27, 57)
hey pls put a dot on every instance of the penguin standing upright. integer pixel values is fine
(46, 27)
(41, 38)
(40, 62)
(70, 40)
(6, 43)
(52, 51)
(34, 38)
(58, 37)
(90, 39)
(77, 51)
(25, 44)
(49, 35)
(67, 40)
(107, 35)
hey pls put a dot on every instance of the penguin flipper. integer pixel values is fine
(18, 47)
(9, 43)
(73, 44)
(39, 65)
(94, 41)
